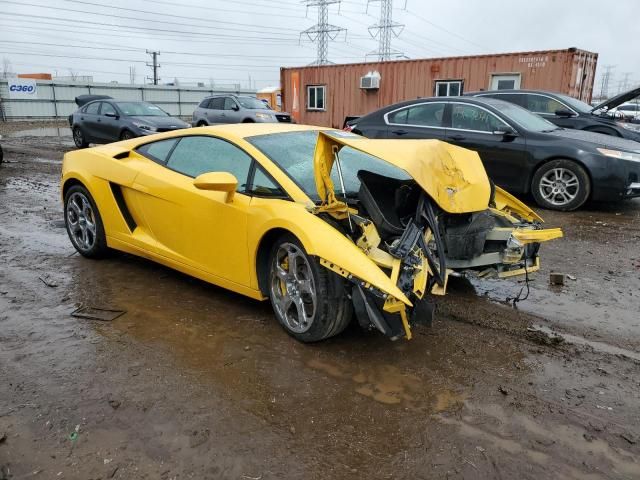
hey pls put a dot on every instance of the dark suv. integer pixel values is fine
(235, 109)
(568, 112)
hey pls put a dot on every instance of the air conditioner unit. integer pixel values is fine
(371, 81)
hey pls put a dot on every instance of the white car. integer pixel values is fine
(627, 111)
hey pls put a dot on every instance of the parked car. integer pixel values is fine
(568, 112)
(235, 109)
(107, 120)
(253, 208)
(627, 111)
(521, 151)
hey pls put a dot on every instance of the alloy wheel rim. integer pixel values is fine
(293, 289)
(559, 186)
(77, 136)
(81, 221)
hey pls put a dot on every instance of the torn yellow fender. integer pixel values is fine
(423, 210)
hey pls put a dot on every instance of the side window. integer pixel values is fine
(107, 108)
(158, 151)
(263, 185)
(542, 104)
(426, 115)
(196, 155)
(216, 103)
(470, 117)
(229, 103)
(204, 103)
(93, 108)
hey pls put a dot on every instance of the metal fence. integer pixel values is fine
(56, 99)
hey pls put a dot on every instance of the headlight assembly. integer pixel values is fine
(634, 157)
(144, 126)
(264, 116)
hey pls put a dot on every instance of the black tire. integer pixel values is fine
(248, 120)
(202, 123)
(78, 213)
(78, 138)
(333, 309)
(1, 155)
(127, 135)
(567, 197)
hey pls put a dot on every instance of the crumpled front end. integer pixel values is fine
(445, 220)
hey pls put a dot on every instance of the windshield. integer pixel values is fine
(524, 118)
(252, 103)
(293, 153)
(141, 109)
(577, 105)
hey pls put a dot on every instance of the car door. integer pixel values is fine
(214, 111)
(422, 120)
(503, 156)
(198, 227)
(108, 123)
(231, 112)
(89, 121)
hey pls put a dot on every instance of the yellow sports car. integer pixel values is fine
(324, 223)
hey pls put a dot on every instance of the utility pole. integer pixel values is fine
(132, 74)
(625, 82)
(323, 31)
(384, 30)
(155, 65)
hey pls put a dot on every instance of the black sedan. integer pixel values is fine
(521, 152)
(106, 120)
(568, 112)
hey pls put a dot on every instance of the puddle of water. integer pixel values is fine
(597, 346)
(42, 132)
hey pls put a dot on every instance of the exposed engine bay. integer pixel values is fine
(418, 243)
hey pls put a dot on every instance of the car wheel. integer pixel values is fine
(79, 139)
(310, 302)
(561, 185)
(1, 154)
(248, 120)
(202, 123)
(127, 135)
(84, 224)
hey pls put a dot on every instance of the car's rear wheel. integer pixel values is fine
(202, 123)
(79, 138)
(310, 302)
(84, 223)
(561, 185)
(127, 135)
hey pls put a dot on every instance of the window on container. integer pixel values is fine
(448, 88)
(316, 95)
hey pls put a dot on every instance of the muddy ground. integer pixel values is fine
(196, 382)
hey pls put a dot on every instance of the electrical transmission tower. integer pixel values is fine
(323, 31)
(606, 77)
(384, 30)
(155, 66)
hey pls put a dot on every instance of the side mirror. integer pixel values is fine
(111, 115)
(563, 112)
(506, 132)
(217, 182)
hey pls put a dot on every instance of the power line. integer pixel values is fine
(323, 31)
(419, 17)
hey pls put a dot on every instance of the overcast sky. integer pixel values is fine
(233, 41)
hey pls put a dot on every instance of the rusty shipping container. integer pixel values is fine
(326, 95)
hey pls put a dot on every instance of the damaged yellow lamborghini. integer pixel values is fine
(326, 224)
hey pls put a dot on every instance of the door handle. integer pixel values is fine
(457, 137)
(399, 132)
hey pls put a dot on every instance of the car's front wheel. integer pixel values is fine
(310, 302)
(79, 138)
(127, 135)
(561, 185)
(84, 223)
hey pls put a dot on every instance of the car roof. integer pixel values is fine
(484, 92)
